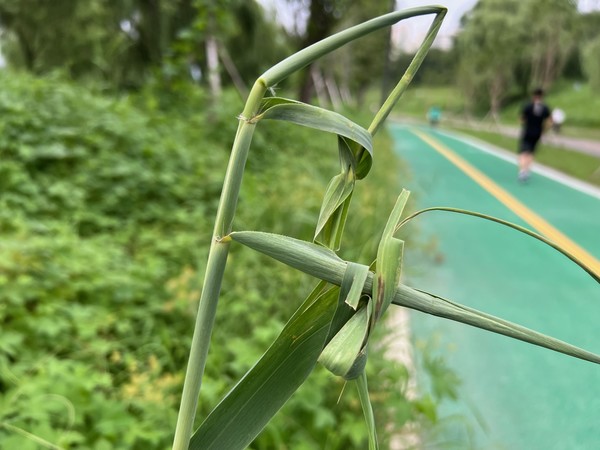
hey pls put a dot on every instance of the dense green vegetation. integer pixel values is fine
(106, 209)
(108, 188)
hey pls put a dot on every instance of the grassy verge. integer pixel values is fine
(578, 165)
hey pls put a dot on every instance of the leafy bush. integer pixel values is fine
(104, 203)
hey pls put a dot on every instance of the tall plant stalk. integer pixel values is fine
(219, 248)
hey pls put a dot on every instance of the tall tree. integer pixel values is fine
(324, 15)
(365, 59)
(116, 41)
(503, 42)
(487, 46)
(551, 37)
(356, 66)
(32, 39)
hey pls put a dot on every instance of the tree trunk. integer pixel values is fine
(151, 31)
(231, 69)
(334, 92)
(212, 62)
(319, 84)
(496, 93)
(27, 51)
(320, 23)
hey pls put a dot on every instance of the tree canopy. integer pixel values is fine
(508, 45)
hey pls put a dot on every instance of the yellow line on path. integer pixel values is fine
(534, 220)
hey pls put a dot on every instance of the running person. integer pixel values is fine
(533, 118)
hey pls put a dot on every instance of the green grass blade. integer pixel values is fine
(523, 230)
(365, 402)
(410, 72)
(387, 274)
(341, 353)
(353, 284)
(307, 257)
(441, 307)
(334, 209)
(339, 189)
(251, 404)
(314, 117)
(331, 235)
(393, 221)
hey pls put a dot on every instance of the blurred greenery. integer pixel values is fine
(114, 144)
(106, 209)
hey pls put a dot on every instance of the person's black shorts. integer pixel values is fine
(528, 144)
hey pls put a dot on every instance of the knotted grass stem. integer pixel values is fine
(229, 196)
(327, 266)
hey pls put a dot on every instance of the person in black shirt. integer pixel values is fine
(533, 118)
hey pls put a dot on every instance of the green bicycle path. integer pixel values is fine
(513, 395)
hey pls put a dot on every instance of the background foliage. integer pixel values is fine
(106, 208)
(113, 144)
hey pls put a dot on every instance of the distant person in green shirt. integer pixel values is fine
(533, 119)
(434, 115)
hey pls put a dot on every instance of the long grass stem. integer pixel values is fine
(217, 259)
(229, 196)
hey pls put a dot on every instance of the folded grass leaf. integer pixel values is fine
(389, 259)
(342, 352)
(249, 406)
(352, 284)
(276, 108)
(327, 266)
(336, 202)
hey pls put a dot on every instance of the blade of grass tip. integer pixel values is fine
(524, 230)
(438, 306)
(307, 257)
(367, 407)
(397, 92)
(306, 56)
